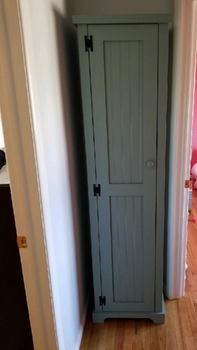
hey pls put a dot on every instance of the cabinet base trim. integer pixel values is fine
(156, 317)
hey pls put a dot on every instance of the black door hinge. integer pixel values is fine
(88, 43)
(97, 190)
(102, 300)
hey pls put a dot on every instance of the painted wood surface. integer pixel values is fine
(124, 19)
(90, 159)
(117, 121)
(180, 329)
(161, 161)
(124, 101)
(127, 248)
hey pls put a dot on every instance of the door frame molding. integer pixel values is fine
(24, 182)
(184, 59)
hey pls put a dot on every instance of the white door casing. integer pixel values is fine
(19, 141)
(184, 58)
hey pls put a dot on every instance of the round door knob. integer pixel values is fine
(150, 164)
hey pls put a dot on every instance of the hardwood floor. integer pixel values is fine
(180, 329)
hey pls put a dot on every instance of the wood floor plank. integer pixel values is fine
(180, 329)
(129, 333)
(119, 337)
(143, 333)
(111, 326)
(170, 324)
(86, 334)
(102, 337)
(94, 337)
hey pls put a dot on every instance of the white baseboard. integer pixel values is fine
(83, 319)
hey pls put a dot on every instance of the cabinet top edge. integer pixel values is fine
(122, 19)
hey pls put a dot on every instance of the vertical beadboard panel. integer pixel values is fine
(125, 55)
(127, 248)
(124, 81)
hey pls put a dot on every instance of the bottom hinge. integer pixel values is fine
(102, 300)
(97, 190)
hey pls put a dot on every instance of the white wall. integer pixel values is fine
(87, 7)
(50, 50)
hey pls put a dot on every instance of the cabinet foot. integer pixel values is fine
(156, 317)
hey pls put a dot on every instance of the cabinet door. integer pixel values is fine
(123, 69)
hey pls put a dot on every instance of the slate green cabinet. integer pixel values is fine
(124, 68)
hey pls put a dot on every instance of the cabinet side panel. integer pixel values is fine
(161, 154)
(89, 144)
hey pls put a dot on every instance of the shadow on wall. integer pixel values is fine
(73, 123)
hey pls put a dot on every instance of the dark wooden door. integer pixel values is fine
(15, 331)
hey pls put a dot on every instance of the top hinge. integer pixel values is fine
(88, 43)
